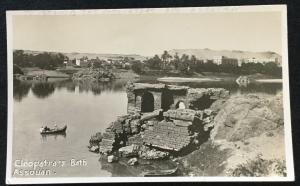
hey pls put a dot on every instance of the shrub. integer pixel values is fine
(96, 139)
(259, 167)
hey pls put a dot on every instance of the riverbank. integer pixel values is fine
(123, 74)
(205, 77)
(185, 79)
(37, 71)
(163, 76)
(269, 80)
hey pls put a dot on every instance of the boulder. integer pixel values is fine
(152, 154)
(135, 126)
(182, 123)
(207, 112)
(143, 127)
(151, 115)
(129, 151)
(94, 149)
(152, 123)
(96, 139)
(180, 114)
(112, 158)
(132, 161)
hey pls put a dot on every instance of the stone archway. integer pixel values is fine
(147, 102)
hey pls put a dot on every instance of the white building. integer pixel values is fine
(252, 60)
(77, 62)
(217, 60)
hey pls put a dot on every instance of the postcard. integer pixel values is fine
(193, 94)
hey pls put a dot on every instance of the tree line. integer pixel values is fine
(188, 65)
(184, 64)
(43, 60)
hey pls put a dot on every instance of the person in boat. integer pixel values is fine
(46, 128)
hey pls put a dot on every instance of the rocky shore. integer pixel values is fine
(94, 75)
(205, 137)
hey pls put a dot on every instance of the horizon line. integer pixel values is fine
(232, 50)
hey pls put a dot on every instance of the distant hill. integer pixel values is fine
(199, 53)
(74, 55)
(210, 54)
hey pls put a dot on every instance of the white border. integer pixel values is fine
(287, 120)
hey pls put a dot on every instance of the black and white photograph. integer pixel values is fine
(154, 94)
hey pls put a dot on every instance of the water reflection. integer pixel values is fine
(46, 137)
(42, 89)
(20, 89)
(45, 89)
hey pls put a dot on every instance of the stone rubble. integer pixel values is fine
(132, 161)
(112, 158)
(158, 134)
(129, 151)
(151, 153)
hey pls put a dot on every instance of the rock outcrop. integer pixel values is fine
(94, 75)
(247, 116)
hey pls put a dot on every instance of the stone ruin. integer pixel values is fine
(162, 119)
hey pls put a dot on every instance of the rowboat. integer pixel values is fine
(55, 130)
(157, 173)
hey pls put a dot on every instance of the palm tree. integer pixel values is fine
(165, 58)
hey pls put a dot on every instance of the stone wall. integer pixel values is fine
(157, 99)
(107, 143)
(135, 140)
(167, 135)
(189, 96)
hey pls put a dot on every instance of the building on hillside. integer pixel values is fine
(208, 61)
(230, 61)
(271, 60)
(77, 62)
(241, 61)
(218, 60)
(261, 60)
(252, 60)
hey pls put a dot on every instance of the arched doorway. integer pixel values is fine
(147, 102)
(180, 105)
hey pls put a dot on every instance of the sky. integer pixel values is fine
(148, 34)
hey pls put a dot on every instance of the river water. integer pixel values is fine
(86, 108)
